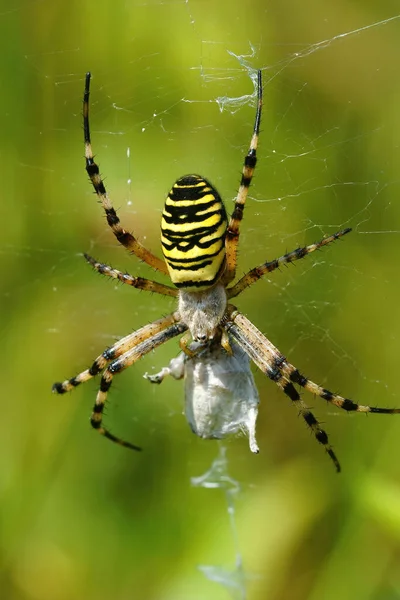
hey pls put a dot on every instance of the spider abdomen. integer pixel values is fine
(193, 229)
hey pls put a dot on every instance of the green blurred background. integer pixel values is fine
(83, 519)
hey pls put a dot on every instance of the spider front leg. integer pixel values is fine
(255, 274)
(124, 237)
(271, 362)
(119, 348)
(118, 365)
(232, 232)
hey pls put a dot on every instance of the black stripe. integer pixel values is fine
(194, 187)
(296, 377)
(238, 212)
(171, 261)
(58, 388)
(334, 458)
(310, 419)
(192, 267)
(189, 193)
(274, 374)
(123, 237)
(327, 395)
(299, 252)
(197, 284)
(191, 180)
(322, 437)
(198, 231)
(291, 391)
(349, 405)
(245, 181)
(189, 244)
(186, 245)
(91, 167)
(95, 369)
(179, 216)
(112, 218)
(192, 207)
(251, 159)
(272, 265)
(105, 385)
(192, 243)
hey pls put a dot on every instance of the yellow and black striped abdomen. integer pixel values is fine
(193, 228)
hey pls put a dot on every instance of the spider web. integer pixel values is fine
(173, 92)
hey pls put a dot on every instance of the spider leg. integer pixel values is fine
(339, 401)
(291, 373)
(136, 282)
(119, 364)
(232, 232)
(119, 348)
(124, 237)
(256, 273)
(270, 361)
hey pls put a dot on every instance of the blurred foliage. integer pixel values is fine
(84, 519)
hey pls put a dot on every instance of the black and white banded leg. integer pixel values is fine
(232, 232)
(137, 282)
(115, 351)
(124, 237)
(118, 365)
(255, 274)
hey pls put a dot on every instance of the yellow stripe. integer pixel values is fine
(208, 273)
(202, 200)
(177, 255)
(179, 186)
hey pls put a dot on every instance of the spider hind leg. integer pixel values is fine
(339, 401)
(320, 434)
(271, 362)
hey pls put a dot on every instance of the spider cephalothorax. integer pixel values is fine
(202, 312)
(200, 249)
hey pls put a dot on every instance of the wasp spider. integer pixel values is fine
(200, 245)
